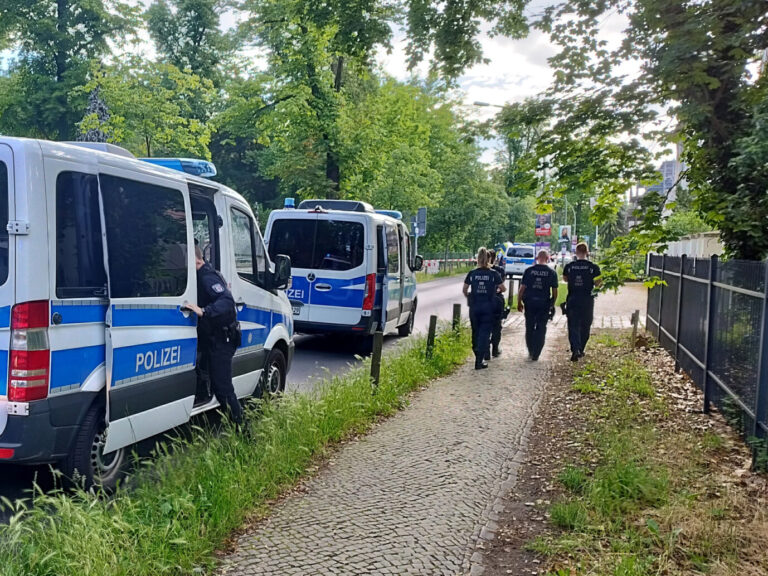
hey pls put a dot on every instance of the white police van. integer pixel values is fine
(97, 351)
(352, 267)
(519, 258)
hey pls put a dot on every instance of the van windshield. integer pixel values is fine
(3, 223)
(520, 252)
(318, 244)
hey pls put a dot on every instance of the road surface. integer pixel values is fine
(317, 356)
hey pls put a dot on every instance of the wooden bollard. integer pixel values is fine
(378, 342)
(635, 322)
(456, 317)
(511, 293)
(431, 335)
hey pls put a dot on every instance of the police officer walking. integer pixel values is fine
(499, 309)
(216, 331)
(582, 277)
(481, 286)
(539, 281)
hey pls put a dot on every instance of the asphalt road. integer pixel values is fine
(315, 357)
(319, 356)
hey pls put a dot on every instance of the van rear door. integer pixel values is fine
(294, 236)
(6, 269)
(151, 342)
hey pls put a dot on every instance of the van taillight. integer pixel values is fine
(30, 357)
(370, 292)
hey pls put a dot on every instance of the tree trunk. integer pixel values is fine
(60, 60)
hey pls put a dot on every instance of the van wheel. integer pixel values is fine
(87, 465)
(272, 381)
(407, 328)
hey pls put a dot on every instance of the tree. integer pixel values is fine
(187, 34)
(150, 108)
(55, 43)
(696, 64)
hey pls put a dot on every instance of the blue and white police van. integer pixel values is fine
(519, 258)
(97, 260)
(352, 267)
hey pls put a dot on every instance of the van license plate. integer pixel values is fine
(296, 310)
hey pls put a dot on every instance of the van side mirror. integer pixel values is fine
(282, 274)
(418, 263)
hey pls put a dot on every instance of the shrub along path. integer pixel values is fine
(417, 494)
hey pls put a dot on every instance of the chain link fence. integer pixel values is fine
(711, 315)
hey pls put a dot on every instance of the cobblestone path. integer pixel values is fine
(418, 493)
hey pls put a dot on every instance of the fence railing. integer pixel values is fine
(712, 316)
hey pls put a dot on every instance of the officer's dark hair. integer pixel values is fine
(581, 248)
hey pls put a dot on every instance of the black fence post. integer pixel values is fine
(762, 364)
(456, 317)
(647, 300)
(683, 259)
(661, 295)
(705, 386)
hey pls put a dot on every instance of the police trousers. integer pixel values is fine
(536, 318)
(220, 372)
(580, 315)
(481, 318)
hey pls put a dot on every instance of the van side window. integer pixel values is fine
(79, 254)
(146, 231)
(3, 223)
(393, 250)
(250, 258)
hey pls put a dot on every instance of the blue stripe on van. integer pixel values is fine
(3, 372)
(150, 317)
(344, 292)
(255, 336)
(142, 359)
(73, 366)
(5, 317)
(81, 313)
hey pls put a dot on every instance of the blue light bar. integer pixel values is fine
(392, 213)
(202, 168)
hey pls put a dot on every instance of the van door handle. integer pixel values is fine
(240, 304)
(322, 287)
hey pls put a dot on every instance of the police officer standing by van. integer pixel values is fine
(499, 309)
(481, 286)
(218, 333)
(537, 295)
(582, 277)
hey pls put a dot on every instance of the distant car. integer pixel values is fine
(519, 258)
(565, 258)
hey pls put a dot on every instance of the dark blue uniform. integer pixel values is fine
(538, 280)
(483, 283)
(580, 304)
(214, 332)
(498, 318)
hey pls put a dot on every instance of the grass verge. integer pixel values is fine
(651, 486)
(185, 503)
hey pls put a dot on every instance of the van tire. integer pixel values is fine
(273, 377)
(86, 466)
(407, 328)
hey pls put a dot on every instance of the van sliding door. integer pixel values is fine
(151, 344)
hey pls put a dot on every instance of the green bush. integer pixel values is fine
(183, 505)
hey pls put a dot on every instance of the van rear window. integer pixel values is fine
(318, 244)
(3, 223)
(520, 253)
(79, 255)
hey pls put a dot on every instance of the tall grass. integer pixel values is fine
(181, 506)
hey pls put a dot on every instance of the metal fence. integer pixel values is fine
(712, 316)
